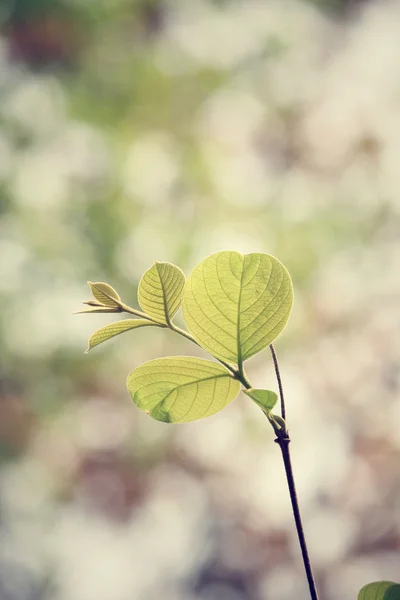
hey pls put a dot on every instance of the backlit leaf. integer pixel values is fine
(264, 398)
(380, 590)
(109, 331)
(104, 293)
(236, 305)
(181, 388)
(160, 291)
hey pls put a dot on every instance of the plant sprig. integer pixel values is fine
(234, 306)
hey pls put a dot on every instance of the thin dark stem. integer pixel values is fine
(284, 446)
(278, 377)
(283, 441)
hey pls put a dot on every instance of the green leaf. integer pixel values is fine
(105, 294)
(160, 291)
(236, 305)
(98, 309)
(393, 592)
(182, 388)
(264, 398)
(93, 303)
(279, 424)
(109, 331)
(380, 590)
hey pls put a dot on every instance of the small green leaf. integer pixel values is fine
(105, 294)
(393, 592)
(160, 291)
(93, 303)
(109, 331)
(380, 590)
(99, 309)
(264, 398)
(236, 305)
(182, 388)
(279, 424)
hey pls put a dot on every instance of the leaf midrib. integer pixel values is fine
(182, 385)
(197, 383)
(238, 342)
(167, 317)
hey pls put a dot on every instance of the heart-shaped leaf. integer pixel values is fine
(105, 294)
(264, 398)
(160, 291)
(182, 388)
(380, 590)
(236, 305)
(109, 331)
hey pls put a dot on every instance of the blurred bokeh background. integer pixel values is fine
(134, 130)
